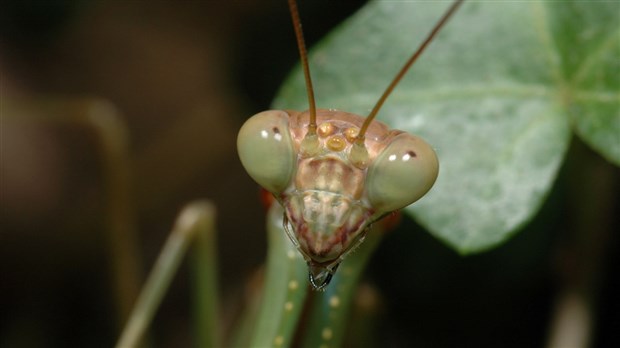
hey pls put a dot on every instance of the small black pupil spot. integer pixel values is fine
(412, 154)
(276, 130)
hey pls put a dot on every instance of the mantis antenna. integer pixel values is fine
(304, 62)
(310, 143)
(455, 5)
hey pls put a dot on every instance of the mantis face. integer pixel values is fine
(329, 196)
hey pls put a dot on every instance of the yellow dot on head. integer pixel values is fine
(327, 334)
(326, 129)
(350, 134)
(334, 301)
(288, 306)
(292, 285)
(278, 341)
(291, 254)
(336, 143)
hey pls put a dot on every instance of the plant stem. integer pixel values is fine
(120, 219)
(592, 188)
(193, 218)
(204, 262)
(111, 133)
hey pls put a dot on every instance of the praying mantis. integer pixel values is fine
(331, 179)
(334, 174)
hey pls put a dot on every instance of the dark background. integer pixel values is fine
(185, 75)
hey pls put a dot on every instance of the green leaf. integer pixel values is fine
(493, 94)
(587, 37)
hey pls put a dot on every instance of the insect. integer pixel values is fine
(334, 172)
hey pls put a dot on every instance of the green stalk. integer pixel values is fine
(204, 264)
(593, 183)
(120, 216)
(196, 216)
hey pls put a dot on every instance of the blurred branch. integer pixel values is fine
(591, 199)
(111, 132)
(197, 219)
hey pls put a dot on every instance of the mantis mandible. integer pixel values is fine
(335, 172)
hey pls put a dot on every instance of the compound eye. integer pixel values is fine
(266, 149)
(402, 173)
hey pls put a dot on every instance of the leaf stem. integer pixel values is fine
(592, 187)
(194, 217)
(205, 280)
